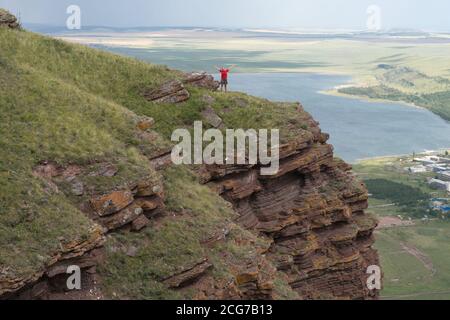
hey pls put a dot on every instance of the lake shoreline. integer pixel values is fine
(334, 91)
(359, 128)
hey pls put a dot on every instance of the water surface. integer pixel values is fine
(358, 129)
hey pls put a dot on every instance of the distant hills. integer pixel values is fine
(301, 33)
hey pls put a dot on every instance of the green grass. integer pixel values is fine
(411, 201)
(436, 102)
(121, 81)
(405, 276)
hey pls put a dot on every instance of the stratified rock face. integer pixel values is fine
(174, 91)
(313, 210)
(188, 275)
(8, 20)
(170, 92)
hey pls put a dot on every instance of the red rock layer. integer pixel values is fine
(313, 210)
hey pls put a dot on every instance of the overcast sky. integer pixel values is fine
(429, 15)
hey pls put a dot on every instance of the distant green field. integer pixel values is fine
(408, 85)
(407, 276)
(415, 259)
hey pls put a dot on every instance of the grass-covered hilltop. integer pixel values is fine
(399, 83)
(86, 179)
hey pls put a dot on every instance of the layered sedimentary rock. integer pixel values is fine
(37, 285)
(202, 80)
(313, 210)
(174, 91)
(170, 92)
(127, 208)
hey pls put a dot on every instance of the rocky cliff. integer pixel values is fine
(140, 227)
(313, 213)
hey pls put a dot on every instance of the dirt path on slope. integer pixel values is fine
(419, 255)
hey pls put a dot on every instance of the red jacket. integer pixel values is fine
(224, 73)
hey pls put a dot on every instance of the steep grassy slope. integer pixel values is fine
(122, 80)
(46, 118)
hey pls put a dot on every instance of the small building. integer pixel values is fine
(443, 209)
(417, 169)
(439, 184)
(444, 175)
(444, 160)
(427, 160)
(437, 167)
(436, 204)
(443, 200)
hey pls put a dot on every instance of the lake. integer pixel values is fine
(358, 129)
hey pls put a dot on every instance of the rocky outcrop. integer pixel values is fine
(174, 91)
(189, 275)
(253, 275)
(202, 80)
(211, 117)
(170, 92)
(311, 213)
(37, 285)
(112, 210)
(8, 20)
(144, 123)
(313, 210)
(111, 203)
(129, 208)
